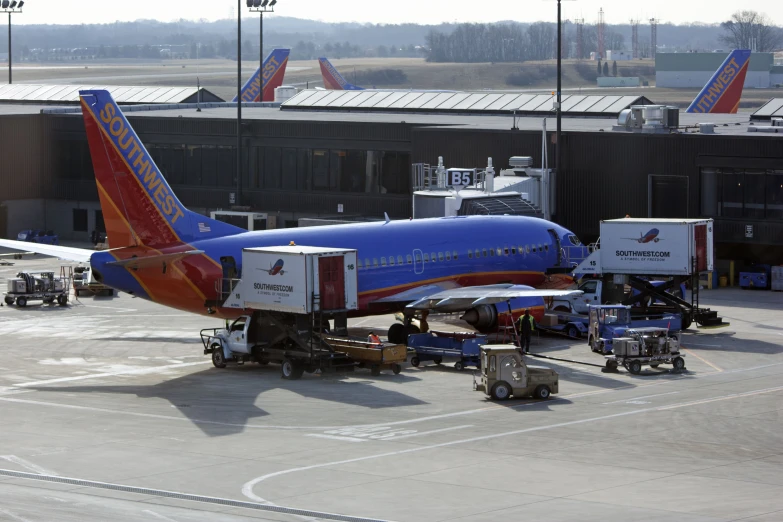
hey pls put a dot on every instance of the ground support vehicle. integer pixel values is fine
(563, 323)
(376, 357)
(645, 347)
(84, 284)
(634, 252)
(268, 337)
(287, 298)
(38, 286)
(38, 236)
(608, 322)
(505, 373)
(435, 346)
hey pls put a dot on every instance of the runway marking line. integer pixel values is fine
(247, 488)
(135, 371)
(702, 359)
(27, 464)
(13, 516)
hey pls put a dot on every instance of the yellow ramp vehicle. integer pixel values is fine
(504, 373)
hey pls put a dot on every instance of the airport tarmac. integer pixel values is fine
(109, 410)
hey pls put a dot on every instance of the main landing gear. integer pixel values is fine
(399, 332)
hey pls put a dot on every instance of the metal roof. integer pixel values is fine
(772, 109)
(460, 102)
(52, 93)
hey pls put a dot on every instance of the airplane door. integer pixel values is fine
(418, 261)
(557, 246)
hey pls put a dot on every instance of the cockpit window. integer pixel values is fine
(574, 240)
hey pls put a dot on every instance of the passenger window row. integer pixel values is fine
(441, 257)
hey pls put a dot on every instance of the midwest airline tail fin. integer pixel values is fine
(272, 74)
(333, 79)
(722, 93)
(139, 207)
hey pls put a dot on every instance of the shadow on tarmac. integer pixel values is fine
(223, 402)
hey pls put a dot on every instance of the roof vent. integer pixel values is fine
(707, 128)
(520, 162)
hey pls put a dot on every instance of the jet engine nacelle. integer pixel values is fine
(482, 317)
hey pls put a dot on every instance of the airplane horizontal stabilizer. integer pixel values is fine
(156, 260)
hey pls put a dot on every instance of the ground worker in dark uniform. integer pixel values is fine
(526, 326)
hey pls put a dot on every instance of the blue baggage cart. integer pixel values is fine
(435, 346)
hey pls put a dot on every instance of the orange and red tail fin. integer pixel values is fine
(722, 93)
(333, 79)
(272, 74)
(139, 207)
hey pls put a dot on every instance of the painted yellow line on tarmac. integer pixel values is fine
(702, 359)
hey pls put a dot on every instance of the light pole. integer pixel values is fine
(558, 156)
(261, 7)
(238, 196)
(12, 7)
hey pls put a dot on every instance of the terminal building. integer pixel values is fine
(348, 155)
(694, 70)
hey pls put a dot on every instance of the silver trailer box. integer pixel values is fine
(17, 286)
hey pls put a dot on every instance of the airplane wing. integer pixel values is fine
(420, 292)
(81, 255)
(461, 299)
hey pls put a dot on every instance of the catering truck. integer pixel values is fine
(669, 247)
(655, 258)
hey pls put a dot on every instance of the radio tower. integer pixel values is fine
(580, 38)
(601, 36)
(635, 38)
(653, 37)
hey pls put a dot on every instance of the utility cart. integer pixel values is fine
(434, 346)
(645, 347)
(376, 357)
(37, 286)
(505, 373)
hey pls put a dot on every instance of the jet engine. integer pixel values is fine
(482, 317)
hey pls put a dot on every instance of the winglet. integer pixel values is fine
(386, 216)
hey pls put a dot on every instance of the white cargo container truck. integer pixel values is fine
(287, 278)
(671, 247)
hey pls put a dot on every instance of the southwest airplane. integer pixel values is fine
(652, 235)
(273, 72)
(168, 254)
(722, 93)
(333, 80)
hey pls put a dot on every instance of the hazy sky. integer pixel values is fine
(397, 11)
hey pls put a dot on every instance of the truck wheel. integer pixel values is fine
(635, 367)
(291, 370)
(679, 363)
(438, 360)
(415, 361)
(218, 359)
(572, 332)
(375, 371)
(687, 320)
(9, 300)
(396, 368)
(21, 302)
(501, 391)
(62, 300)
(542, 392)
(459, 366)
(397, 334)
(611, 366)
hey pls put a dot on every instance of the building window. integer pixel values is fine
(742, 193)
(80, 220)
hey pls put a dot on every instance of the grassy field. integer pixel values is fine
(219, 76)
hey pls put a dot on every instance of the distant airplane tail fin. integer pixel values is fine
(271, 75)
(722, 93)
(139, 207)
(333, 79)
